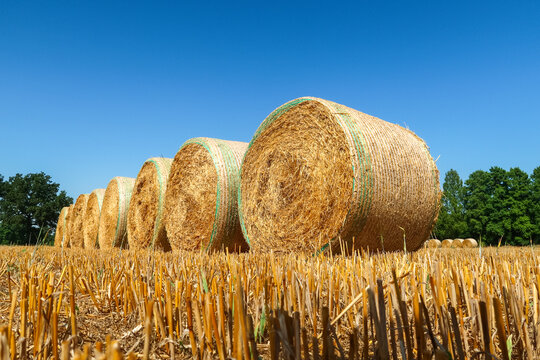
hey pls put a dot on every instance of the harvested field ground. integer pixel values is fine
(429, 304)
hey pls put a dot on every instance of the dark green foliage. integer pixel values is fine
(451, 223)
(29, 208)
(534, 210)
(491, 206)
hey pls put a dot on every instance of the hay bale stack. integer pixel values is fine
(433, 244)
(201, 202)
(59, 234)
(76, 233)
(316, 172)
(447, 243)
(113, 219)
(145, 223)
(470, 243)
(457, 243)
(91, 218)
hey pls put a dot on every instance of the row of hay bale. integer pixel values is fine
(316, 175)
(451, 243)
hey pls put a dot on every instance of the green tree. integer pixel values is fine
(29, 208)
(519, 204)
(451, 222)
(534, 210)
(499, 222)
(477, 204)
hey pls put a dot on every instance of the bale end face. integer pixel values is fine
(145, 215)
(113, 219)
(91, 218)
(77, 220)
(201, 198)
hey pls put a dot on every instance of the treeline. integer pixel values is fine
(495, 205)
(29, 208)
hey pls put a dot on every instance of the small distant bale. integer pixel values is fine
(67, 241)
(60, 232)
(447, 243)
(91, 218)
(457, 243)
(145, 223)
(433, 244)
(113, 220)
(470, 243)
(76, 232)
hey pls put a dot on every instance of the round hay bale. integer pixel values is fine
(317, 172)
(113, 219)
(201, 202)
(76, 233)
(470, 243)
(67, 242)
(433, 244)
(447, 243)
(457, 243)
(91, 218)
(59, 234)
(145, 223)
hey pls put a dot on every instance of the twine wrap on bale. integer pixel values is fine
(59, 234)
(113, 220)
(470, 243)
(447, 243)
(91, 218)
(76, 234)
(145, 216)
(317, 172)
(201, 209)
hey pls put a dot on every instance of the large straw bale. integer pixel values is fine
(201, 203)
(145, 223)
(76, 233)
(317, 172)
(59, 234)
(91, 218)
(470, 243)
(113, 220)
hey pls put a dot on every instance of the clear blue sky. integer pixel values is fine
(90, 89)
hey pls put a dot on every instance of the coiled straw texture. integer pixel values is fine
(59, 234)
(91, 218)
(76, 234)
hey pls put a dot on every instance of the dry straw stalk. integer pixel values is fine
(145, 223)
(59, 234)
(317, 172)
(201, 209)
(76, 234)
(91, 218)
(113, 220)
